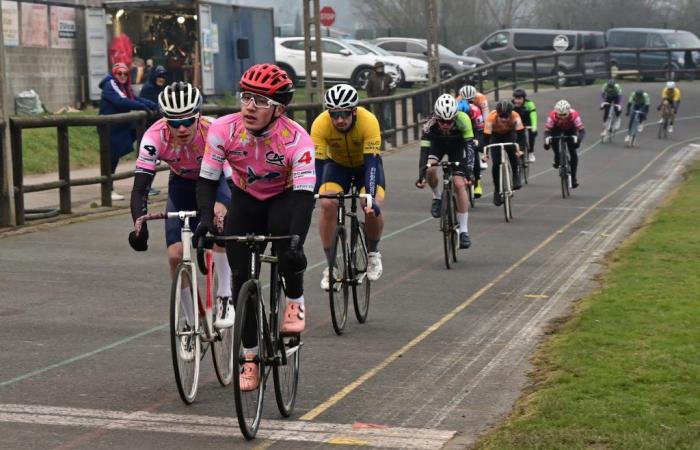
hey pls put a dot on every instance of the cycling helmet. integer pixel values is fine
(611, 83)
(639, 93)
(671, 84)
(504, 108)
(446, 107)
(519, 92)
(341, 96)
(562, 107)
(180, 101)
(268, 80)
(467, 91)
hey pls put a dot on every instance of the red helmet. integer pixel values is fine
(268, 80)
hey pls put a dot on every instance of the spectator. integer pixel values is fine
(155, 84)
(381, 84)
(118, 97)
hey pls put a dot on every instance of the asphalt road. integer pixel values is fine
(442, 357)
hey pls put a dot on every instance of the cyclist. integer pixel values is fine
(528, 114)
(672, 94)
(348, 141)
(611, 95)
(470, 93)
(272, 159)
(638, 101)
(477, 120)
(564, 121)
(448, 132)
(179, 139)
(504, 125)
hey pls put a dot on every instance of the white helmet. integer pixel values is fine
(467, 91)
(445, 107)
(341, 96)
(180, 101)
(562, 107)
(671, 84)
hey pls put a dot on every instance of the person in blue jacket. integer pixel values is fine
(157, 80)
(118, 97)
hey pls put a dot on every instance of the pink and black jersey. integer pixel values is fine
(572, 122)
(281, 158)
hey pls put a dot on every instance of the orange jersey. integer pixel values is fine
(497, 125)
(482, 102)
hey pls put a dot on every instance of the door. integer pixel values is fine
(97, 59)
(336, 65)
(206, 53)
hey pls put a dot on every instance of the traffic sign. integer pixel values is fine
(327, 16)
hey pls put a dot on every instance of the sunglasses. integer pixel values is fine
(122, 74)
(182, 122)
(260, 101)
(445, 122)
(342, 114)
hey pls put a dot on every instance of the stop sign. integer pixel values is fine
(327, 16)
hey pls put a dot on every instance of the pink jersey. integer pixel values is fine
(265, 165)
(572, 122)
(184, 160)
(476, 117)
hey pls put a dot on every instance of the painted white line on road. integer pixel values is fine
(280, 430)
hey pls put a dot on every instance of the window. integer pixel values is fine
(540, 41)
(331, 47)
(627, 39)
(415, 47)
(393, 46)
(656, 41)
(294, 45)
(498, 40)
(593, 41)
(682, 39)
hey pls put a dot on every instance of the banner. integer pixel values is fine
(10, 23)
(35, 25)
(62, 27)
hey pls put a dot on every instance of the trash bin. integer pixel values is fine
(27, 103)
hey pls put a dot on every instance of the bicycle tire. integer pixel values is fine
(455, 229)
(446, 225)
(285, 370)
(222, 351)
(186, 367)
(338, 298)
(361, 285)
(249, 404)
(564, 169)
(506, 192)
(526, 170)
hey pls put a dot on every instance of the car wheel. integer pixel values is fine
(360, 77)
(290, 72)
(446, 72)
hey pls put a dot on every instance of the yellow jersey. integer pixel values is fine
(347, 148)
(674, 96)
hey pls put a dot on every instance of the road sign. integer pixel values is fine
(561, 42)
(327, 16)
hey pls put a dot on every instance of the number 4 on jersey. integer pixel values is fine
(305, 158)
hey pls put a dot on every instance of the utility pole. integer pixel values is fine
(313, 50)
(7, 187)
(432, 38)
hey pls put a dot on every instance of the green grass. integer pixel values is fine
(624, 371)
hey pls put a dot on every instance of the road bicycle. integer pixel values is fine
(347, 267)
(564, 162)
(524, 164)
(449, 225)
(666, 117)
(278, 352)
(192, 329)
(633, 129)
(505, 180)
(609, 129)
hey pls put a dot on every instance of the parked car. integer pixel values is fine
(650, 38)
(411, 69)
(515, 42)
(450, 62)
(342, 62)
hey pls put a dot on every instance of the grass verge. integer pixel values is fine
(624, 371)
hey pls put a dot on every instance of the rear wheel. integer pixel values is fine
(222, 352)
(288, 349)
(446, 72)
(361, 286)
(185, 345)
(446, 225)
(338, 291)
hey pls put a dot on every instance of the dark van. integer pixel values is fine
(515, 42)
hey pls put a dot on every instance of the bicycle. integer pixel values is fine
(524, 164)
(347, 267)
(188, 334)
(505, 182)
(564, 162)
(277, 351)
(609, 129)
(633, 128)
(666, 116)
(449, 226)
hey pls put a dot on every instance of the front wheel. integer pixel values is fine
(360, 77)
(564, 170)
(338, 291)
(185, 344)
(361, 286)
(222, 352)
(447, 225)
(507, 192)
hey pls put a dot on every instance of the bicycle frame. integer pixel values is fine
(609, 123)
(504, 161)
(564, 161)
(449, 225)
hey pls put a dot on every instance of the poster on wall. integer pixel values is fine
(62, 27)
(10, 23)
(35, 25)
(214, 38)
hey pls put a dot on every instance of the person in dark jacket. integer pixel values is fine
(118, 97)
(155, 84)
(381, 84)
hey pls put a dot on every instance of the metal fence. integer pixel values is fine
(401, 116)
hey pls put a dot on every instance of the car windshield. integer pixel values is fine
(682, 40)
(357, 49)
(371, 48)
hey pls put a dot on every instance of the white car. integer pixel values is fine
(412, 70)
(341, 61)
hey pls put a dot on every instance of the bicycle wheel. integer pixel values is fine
(185, 345)
(222, 348)
(507, 191)
(564, 172)
(361, 286)
(446, 225)
(338, 291)
(526, 168)
(249, 403)
(285, 371)
(454, 239)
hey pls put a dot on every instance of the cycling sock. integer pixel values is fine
(299, 301)
(223, 274)
(436, 192)
(187, 305)
(253, 350)
(327, 251)
(372, 245)
(463, 219)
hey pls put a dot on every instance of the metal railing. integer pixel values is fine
(401, 116)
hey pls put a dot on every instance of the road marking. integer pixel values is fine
(334, 399)
(536, 296)
(325, 433)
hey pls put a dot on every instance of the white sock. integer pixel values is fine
(223, 274)
(299, 301)
(253, 350)
(187, 305)
(436, 192)
(463, 221)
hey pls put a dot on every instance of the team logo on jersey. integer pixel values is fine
(253, 177)
(274, 158)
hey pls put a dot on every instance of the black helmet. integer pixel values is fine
(504, 108)
(639, 93)
(519, 92)
(611, 82)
